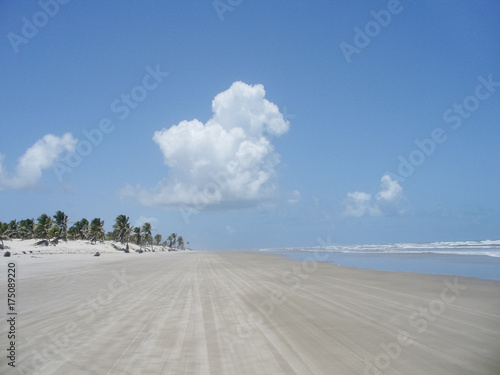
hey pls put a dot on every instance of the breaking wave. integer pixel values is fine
(489, 248)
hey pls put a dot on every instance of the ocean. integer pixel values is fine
(478, 259)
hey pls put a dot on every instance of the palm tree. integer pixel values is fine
(122, 228)
(173, 239)
(146, 229)
(180, 242)
(43, 226)
(4, 232)
(96, 230)
(83, 229)
(158, 239)
(61, 220)
(138, 236)
(27, 229)
(13, 228)
(80, 229)
(73, 232)
(54, 233)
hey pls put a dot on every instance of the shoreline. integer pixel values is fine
(26, 249)
(247, 313)
(470, 266)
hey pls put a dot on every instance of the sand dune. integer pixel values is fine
(28, 247)
(245, 313)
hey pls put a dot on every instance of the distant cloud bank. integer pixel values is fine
(228, 160)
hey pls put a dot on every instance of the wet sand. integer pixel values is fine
(244, 313)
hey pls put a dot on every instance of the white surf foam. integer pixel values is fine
(489, 248)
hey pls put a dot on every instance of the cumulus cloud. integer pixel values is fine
(357, 204)
(229, 159)
(386, 201)
(37, 158)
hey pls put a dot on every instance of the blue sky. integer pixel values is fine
(363, 122)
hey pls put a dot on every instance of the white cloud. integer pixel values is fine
(387, 200)
(357, 204)
(391, 190)
(37, 158)
(228, 160)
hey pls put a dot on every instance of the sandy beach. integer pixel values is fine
(243, 313)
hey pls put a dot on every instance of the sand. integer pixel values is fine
(28, 247)
(243, 313)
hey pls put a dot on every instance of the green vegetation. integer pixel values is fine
(158, 239)
(122, 229)
(54, 228)
(4, 232)
(43, 227)
(137, 236)
(96, 230)
(146, 229)
(26, 229)
(61, 220)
